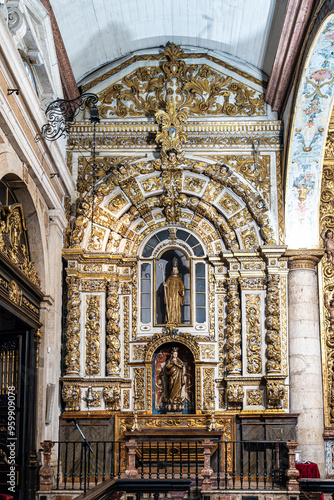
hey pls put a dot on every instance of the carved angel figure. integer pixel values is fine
(329, 304)
(327, 236)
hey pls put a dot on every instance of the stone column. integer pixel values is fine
(306, 393)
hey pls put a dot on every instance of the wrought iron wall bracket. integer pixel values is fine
(61, 115)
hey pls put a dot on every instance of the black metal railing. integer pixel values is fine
(79, 468)
(235, 465)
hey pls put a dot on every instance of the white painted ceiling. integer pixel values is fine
(98, 32)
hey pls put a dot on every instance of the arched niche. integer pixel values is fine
(313, 107)
(185, 341)
(162, 385)
(35, 235)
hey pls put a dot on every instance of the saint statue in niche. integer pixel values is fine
(174, 295)
(173, 380)
(174, 369)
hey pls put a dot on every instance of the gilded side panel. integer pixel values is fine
(93, 332)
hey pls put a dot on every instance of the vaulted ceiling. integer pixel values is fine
(98, 32)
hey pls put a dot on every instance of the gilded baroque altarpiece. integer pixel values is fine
(187, 166)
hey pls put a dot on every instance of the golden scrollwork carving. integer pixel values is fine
(138, 352)
(198, 88)
(273, 336)
(193, 184)
(13, 240)
(253, 333)
(172, 135)
(72, 358)
(117, 203)
(221, 336)
(103, 166)
(208, 387)
(113, 329)
(96, 239)
(139, 377)
(89, 285)
(229, 204)
(326, 212)
(221, 398)
(172, 200)
(134, 288)
(208, 351)
(235, 396)
(15, 293)
(93, 332)
(112, 397)
(233, 331)
(254, 397)
(126, 335)
(126, 399)
(151, 184)
(252, 283)
(249, 238)
(275, 394)
(71, 397)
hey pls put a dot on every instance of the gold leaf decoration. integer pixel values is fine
(197, 88)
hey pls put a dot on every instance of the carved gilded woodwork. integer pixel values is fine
(275, 394)
(208, 387)
(225, 423)
(113, 329)
(254, 397)
(126, 336)
(273, 334)
(220, 300)
(256, 170)
(197, 88)
(233, 330)
(134, 288)
(14, 292)
(95, 401)
(173, 203)
(71, 396)
(72, 358)
(171, 135)
(13, 240)
(253, 333)
(112, 397)
(326, 213)
(139, 387)
(208, 351)
(235, 396)
(93, 333)
(126, 399)
(210, 136)
(96, 238)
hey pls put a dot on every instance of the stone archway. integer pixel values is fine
(307, 142)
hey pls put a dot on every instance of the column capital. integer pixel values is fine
(303, 258)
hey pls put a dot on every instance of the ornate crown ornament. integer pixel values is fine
(172, 135)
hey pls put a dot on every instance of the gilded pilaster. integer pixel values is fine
(72, 358)
(113, 329)
(93, 332)
(233, 331)
(273, 336)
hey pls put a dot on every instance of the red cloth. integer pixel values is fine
(308, 469)
(4, 496)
